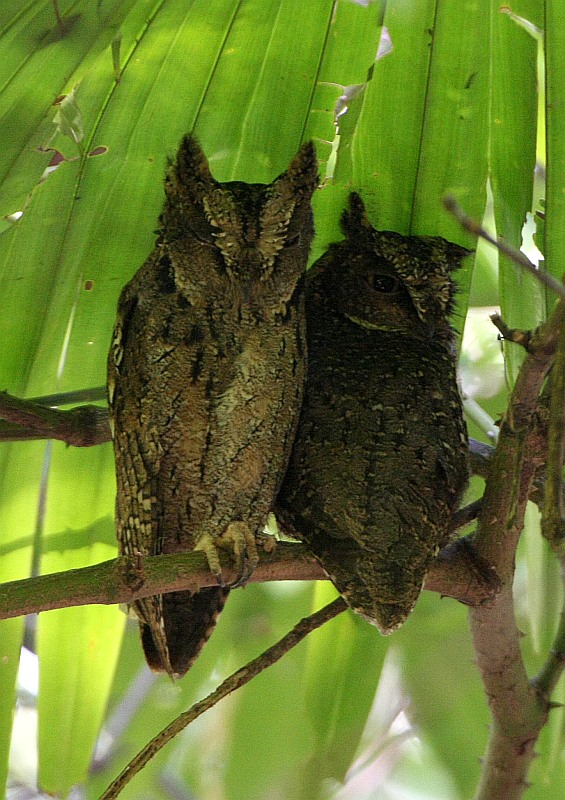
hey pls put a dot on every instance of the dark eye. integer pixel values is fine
(201, 230)
(204, 236)
(385, 284)
(292, 240)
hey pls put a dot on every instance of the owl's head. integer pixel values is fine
(386, 281)
(250, 241)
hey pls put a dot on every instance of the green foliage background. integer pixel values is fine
(452, 108)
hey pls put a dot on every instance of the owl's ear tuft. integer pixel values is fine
(303, 170)
(190, 170)
(296, 185)
(354, 219)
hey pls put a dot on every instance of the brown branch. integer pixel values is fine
(466, 514)
(518, 710)
(553, 515)
(519, 707)
(501, 496)
(480, 457)
(83, 426)
(514, 335)
(456, 573)
(235, 681)
(39, 418)
(476, 229)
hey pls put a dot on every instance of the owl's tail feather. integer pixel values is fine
(189, 620)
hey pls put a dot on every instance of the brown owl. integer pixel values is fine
(380, 458)
(205, 381)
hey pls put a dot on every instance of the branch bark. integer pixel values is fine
(85, 426)
(24, 420)
(519, 709)
(456, 573)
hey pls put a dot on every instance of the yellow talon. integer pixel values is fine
(238, 540)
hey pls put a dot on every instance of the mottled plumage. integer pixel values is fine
(380, 457)
(205, 380)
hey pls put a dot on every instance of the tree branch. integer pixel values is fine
(553, 517)
(457, 573)
(25, 420)
(518, 708)
(476, 229)
(85, 426)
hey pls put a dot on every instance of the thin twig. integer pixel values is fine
(514, 335)
(235, 681)
(476, 229)
(93, 395)
(466, 514)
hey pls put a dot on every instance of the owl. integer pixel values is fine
(205, 381)
(380, 458)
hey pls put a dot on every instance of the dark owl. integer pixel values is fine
(205, 382)
(380, 458)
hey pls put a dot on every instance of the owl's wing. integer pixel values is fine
(160, 417)
(136, 465)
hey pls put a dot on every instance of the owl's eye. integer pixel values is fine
(385, 284)
(203, 235)
(291, 241)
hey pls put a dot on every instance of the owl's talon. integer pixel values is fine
(238, 540)
(241, 542)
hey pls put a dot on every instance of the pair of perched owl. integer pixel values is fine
(210, 403)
